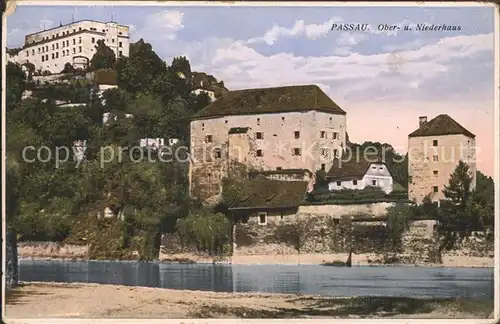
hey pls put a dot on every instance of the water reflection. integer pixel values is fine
(306, 279)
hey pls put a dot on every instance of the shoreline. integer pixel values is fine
(306, 259)
(89, 300)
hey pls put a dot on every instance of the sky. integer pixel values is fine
(384, 80)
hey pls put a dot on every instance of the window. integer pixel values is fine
(282, 119)
(57, 54)
(113, 40)
(79, 28)
(120, 33)
(335, 135)
(258, 121)
(296, 151)
(434, 143)
(435, 189)
(53, 56)
(259, 135)
(335, 153)
(74, 50)
(258, 153)
(262, 218)
(208, 139)
(63, 44)
(33, 52)
(74, 41)
(93, 40)
(80, 49)
(43, 58)
(217, 154)
(103, 31)
(74, 30)
(281, 216)
(67, 52)
(324, 151)
(296, 134)
(47, 48)
(27, 53)
(435, 158)
(121, 53)
(57, 35)
(323, 167)
(339, 183)
(47, 57)
(374, 182)
(322, 134)
(57, 45)
(355, 182)
(53, 47)
(79, 40)
(67, 43)
(39, 50)
(435, 172)
(120, 44)
(63, 53)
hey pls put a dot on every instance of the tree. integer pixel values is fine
(461, 214)
(68, 68)
(397, 223)
(459, 188)
(15, 84)
(104, 57)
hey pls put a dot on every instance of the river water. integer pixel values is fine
(475, 283)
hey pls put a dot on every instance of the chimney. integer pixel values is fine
(422, 120)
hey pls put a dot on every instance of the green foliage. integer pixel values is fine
(374, 194)
(15, 84)
(464, 211)
(104, 57)
(397, 223)
(459, 187)
(208, 231)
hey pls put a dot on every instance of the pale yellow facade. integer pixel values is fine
(432, 160)
(273, 141)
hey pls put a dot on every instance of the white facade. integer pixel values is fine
(79, 148)
(51, 49)
(209, 93)
(288, 140)
(154, 143)
(377, 175)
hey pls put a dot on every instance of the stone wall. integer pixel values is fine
(336, 211)
(52, 250)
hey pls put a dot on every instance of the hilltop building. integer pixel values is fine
(49, 50)
(203, 83)
(270, 129)
(434, 150)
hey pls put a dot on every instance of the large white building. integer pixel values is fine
(74, 43)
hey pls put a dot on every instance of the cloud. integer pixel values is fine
(354, 76)
(311, 31)
(162, 25)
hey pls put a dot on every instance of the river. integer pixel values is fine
(474, 283)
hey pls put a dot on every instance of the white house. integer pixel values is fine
(74, 43)
(154, 143)
(358, 173)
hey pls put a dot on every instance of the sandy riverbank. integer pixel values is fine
(63, 300)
